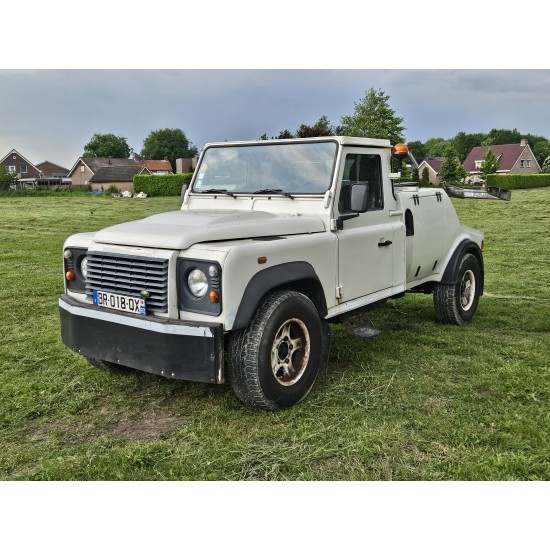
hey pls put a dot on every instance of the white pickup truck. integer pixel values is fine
(274, 241)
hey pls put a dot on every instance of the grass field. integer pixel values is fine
(419, 402)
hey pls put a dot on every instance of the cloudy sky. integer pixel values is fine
(51, 114)
(236, 70)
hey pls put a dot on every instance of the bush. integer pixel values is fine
(517, 181)
(165, 185)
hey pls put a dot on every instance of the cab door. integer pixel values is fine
(369, 244)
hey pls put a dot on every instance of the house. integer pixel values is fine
(184, 166)
(102, 173)
(434, 168)
(51, 171)
(26, 171)
(514, 158)
(34, 175)
(158, 166)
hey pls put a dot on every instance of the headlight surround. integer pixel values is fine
(73, 259)
(199, 286)
(197, 283)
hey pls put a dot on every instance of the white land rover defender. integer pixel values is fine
(274, 241)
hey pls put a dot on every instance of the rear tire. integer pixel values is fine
(456, 304)
(113, 368)
(275, 360)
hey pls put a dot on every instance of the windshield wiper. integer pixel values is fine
(219, 192)
(273, 192)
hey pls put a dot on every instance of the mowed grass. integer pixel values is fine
(421, 401)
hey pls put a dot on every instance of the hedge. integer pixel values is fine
(162, 185)
(517, 181)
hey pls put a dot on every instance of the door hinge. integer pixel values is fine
(339, 292)
(416, 199)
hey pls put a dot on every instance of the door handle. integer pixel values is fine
(384, 243)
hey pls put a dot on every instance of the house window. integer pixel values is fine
(525, 163)
(14, 157)
(82, 169)
(478, 164)
(11, 169)
(23, 169)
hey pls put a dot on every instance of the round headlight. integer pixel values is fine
(197, 283)
(84, 267)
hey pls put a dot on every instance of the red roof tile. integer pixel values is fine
(158, 165)
(507, 156)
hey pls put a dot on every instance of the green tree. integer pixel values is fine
(464, 143)
(417, 149)
(6, 178)
(540, 147)
(503, 136)
(321, 128)
(437, 147)
(546, 165)
(168, 142)
(107, 145)
(285, 134)
(452, 170)
(373, 117)
(414, 176)
(489, 164)
(425, 177)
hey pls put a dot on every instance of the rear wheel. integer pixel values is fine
(275, 360)
(456, 304)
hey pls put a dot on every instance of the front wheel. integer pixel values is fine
(456, 304)
(274, 361)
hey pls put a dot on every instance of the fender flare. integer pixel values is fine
(466, 246)
(269, 279)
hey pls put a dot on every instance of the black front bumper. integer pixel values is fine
(167, 347)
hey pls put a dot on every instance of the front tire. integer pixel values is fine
(275, 360)
(456, 304)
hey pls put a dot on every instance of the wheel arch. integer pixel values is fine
(465, 247)
(299, 276)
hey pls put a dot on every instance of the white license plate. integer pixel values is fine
(119, 302)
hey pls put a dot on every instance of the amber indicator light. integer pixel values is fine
(70, 276)
(214, 296)
(262, 260)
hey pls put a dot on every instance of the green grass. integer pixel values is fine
(419, 402)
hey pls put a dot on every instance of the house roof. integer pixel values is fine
(158, 165)
(434, 163)
(62, 168)
(107, 174)
(95, 163)
(18, 153)
(507, 156)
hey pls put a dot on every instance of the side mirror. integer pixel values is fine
(359, 197)
(183, 190)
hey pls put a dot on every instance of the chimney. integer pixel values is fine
(523, 142)
(165, 157)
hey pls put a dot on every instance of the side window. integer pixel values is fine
(362, 170)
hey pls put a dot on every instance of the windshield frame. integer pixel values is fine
(266, 143)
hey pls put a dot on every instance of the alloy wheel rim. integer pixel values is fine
(290, 352)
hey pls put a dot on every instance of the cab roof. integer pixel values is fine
(342, 140)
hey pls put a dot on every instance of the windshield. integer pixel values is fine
(284, 168)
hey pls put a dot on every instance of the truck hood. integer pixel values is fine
(181, 229)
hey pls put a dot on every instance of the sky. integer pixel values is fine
(50, 114)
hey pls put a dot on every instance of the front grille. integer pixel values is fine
(129, 275)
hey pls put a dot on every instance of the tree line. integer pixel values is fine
(372, 117)
(168, 142)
